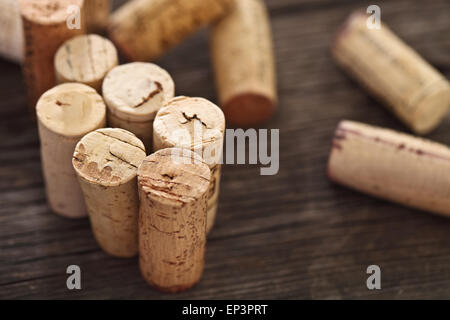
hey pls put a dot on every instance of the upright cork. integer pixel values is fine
(106, 163)
(85, 59)
(198, 125)
(144, 29)
(392, 166)
(11, 33)
(65, 114)
(97, 15)
(393, 72)
(45, 24)
(173, 187)
(244, 66)
(134, 93)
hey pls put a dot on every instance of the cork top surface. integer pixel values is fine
(85, 58)
(108, 157)
(189, 122)
(136, 91)
(174, 176)
(71, 109)
(48, 11)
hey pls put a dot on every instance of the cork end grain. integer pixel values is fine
(249, 109)
(47, 12)
(356, 17)
(108, 157)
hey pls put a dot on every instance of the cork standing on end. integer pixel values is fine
(392, 165)
(134, 93)
(198, 125)
(11, 31)
(143, 30)
(97, 15)
(85, 59)
(393, 72)
(106, 162)
(173, 187)
(45, 28)
(65, 114)
(244, 64)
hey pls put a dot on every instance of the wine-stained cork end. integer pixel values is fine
(108, 157)
(357, 16)
(176, 176)
(249, 109)
(47, 12)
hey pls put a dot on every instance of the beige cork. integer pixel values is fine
(134, 93)
(106, 162)
(393, 72)
(244, 64)
(65, 114)
(11, 33)
(144, 29)
(97, 15)
(198, 125)
(45, 28)
(173, 187)
(85, 59)
(392, 166)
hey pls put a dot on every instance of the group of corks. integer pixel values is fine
(98, 121)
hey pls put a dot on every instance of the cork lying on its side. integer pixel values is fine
(134, 93)
(393, 72)
(45, 29)
(243, 60)
(106, 163)
(85, 59)
(198, 125)
(11, 32)
(391, 165)
(144, 29)
(97, 15)
(65, 114)
(173, 187)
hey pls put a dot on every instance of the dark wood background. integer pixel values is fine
(294, 235)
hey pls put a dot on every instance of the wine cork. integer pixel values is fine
(106, 163)
(172, 218)
(198, 125)
(392, 166)
(11, 33)
(393, 72)
(97, 15)
(45, 24)
(243, 61)
(85, 59)
(65, 114)
(144, 29)
(134, 93)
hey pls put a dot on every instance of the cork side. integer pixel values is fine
(47, 12)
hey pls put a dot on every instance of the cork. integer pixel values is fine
(244, 64)
(97, 15)
(173, 187)
(106, 163)
(134, 93)
(393, 73)
(145, 29)
(11, 33)
(85, 59)
(198, 125)
(390, 165)
(45, 29)
(65, 114)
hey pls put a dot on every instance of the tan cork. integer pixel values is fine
(45, 29)
(244, 64)
(65, 114)
(85, 59)
(173, 187)
(97, 15)
(134, 93)
(144, 29)
(391, 165)
(198, 125)
(106, 162)
(11, 33)
(393, 72)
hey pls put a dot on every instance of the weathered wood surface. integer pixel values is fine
(294, 235)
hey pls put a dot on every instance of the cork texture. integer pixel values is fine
(97, 15)
(11, 33)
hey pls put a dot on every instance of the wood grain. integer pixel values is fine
(294, 235)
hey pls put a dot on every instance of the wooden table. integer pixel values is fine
(294, 235)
